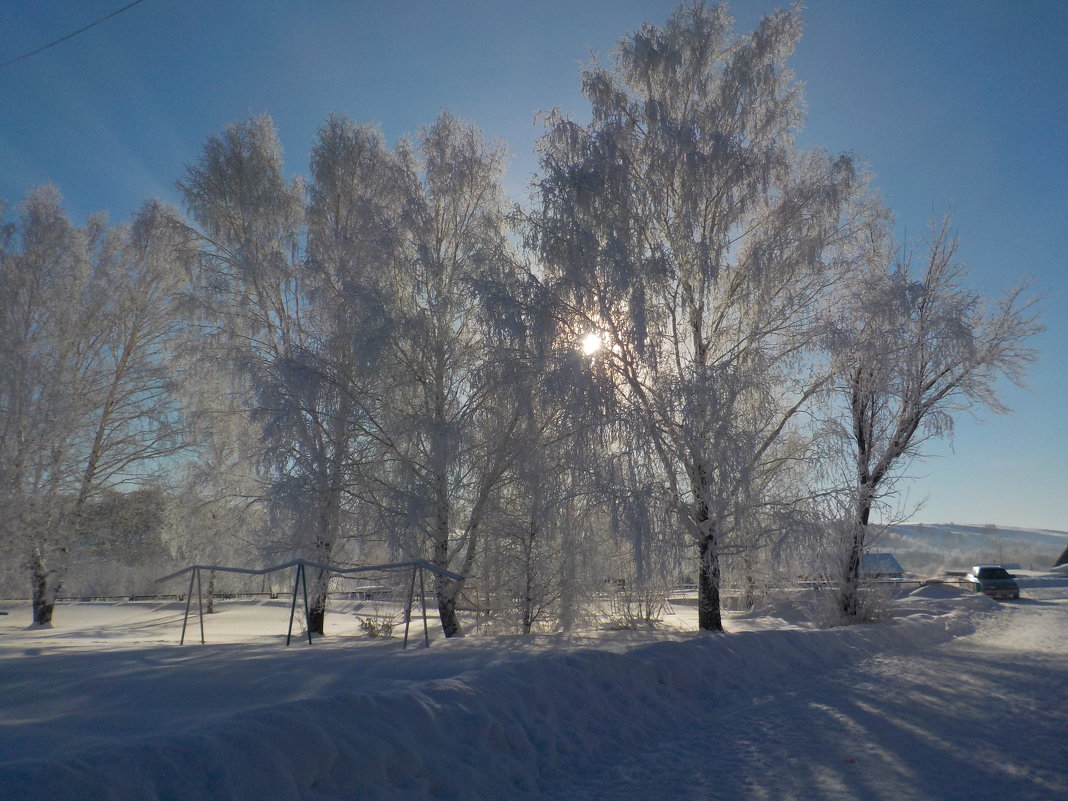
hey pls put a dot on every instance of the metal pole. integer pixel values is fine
(200, 607)
(307, 611)
(188, 601)
(293, 606)
(408, 608)
(422, 594)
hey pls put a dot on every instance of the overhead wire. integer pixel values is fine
(70, 35)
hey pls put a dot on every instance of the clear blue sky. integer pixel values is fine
(955, 104)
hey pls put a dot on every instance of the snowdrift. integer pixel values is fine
(490, 732)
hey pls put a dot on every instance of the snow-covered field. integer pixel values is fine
(929, 548)
(956, 697)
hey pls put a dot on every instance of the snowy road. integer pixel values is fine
(981, 717)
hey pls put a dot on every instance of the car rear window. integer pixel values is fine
(993, 573)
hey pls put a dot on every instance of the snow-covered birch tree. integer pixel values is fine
(356, 202)
(684, 228)
(258, 320)
(88, 318)
(455, 405)
(358, 318)
(918, 347)
(429, 225)
(44, 274)
(531, 571)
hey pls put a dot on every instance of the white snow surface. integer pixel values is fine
(956, 696)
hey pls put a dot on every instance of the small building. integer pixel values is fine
(880, 566)
(1063, 558)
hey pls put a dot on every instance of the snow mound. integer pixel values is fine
(786, 608)
(939, 591)
(492, 732)
(1054, 577)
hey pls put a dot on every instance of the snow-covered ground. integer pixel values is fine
(956, 697)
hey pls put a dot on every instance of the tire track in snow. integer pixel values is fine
(978, 717)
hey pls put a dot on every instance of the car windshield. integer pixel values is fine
(993, 573)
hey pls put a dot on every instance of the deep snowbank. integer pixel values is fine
(486, 733)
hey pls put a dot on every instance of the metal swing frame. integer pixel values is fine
(300, 581)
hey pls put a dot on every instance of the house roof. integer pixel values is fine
(880, 563)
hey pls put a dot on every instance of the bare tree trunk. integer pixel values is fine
(446, 590)
(862, 405)
(528, 585)
(750, 579)
(568, 578)
(209, 608)
(450, 622)
(317, 598)
(709, 616)
(849, 594)
(531, 535)
(329, 521)
(46, 584)
(317, 608)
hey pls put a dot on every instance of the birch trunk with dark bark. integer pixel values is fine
(317, 598)
(709, 615)
(862, 408)
(849, 593)
(46, 584)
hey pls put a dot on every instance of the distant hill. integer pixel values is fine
(930, 548)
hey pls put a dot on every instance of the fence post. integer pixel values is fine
(307, 610)
(188, 601)
(408, 608)
(200, 606)
(422, 594)
(293, 605)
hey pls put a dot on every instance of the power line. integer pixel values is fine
(71, 35)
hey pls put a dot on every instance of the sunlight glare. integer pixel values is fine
(591, 343)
